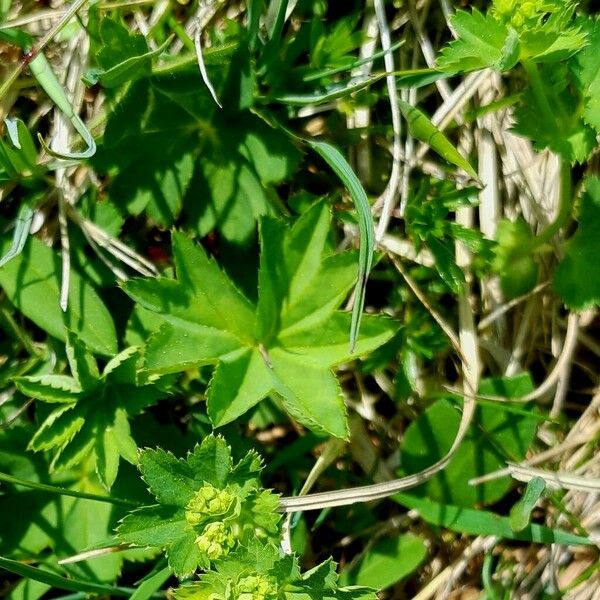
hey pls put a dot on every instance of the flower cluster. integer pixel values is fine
(529, 14)
(255, 587)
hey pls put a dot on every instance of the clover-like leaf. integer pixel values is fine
(208, 506)
(92, 410)
(286, 345)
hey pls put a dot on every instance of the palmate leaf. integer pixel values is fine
(207, 507)
(284, 346)
(586, 73)
(506, 35)
(576, 278)
(562, 129)
(92, 410)
(482, 42)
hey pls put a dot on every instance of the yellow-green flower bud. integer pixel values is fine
(527, 14)
(208, 502)
(216, 540)
(256, 587)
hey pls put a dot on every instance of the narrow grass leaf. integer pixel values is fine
(151, 583)
(342, 169)
(56, 581)
(483, 522)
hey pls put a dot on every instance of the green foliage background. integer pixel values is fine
(178, 349)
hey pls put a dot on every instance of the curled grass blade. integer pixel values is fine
(22, 226)
(42, 71)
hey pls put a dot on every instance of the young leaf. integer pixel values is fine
(508, 33)
(545, 29)
(576, 278)
(285, 346)
(424, 130)
(520, 513)
(92, 411)
(207, 506)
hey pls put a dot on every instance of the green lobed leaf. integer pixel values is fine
(82, 364)
(576, 278)
(49, 388)
(170, 479)
(93, 418)
(552, 116)
(184, 556)
(58, 429)
(268, 349)
(150, 168)
(153, 526)
(211, 461)
(586, 73)
(260, 570)
(481, 43)
(208, 506)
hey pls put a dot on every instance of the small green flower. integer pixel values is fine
(216, 540)
(528, 14)
(207, 503)
(255, 587)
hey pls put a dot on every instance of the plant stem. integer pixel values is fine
(537, 87)
(564, 206)
(65, 492)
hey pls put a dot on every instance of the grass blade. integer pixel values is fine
(484, 522)
(57, 581)
(342, 169)
(64, 491)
